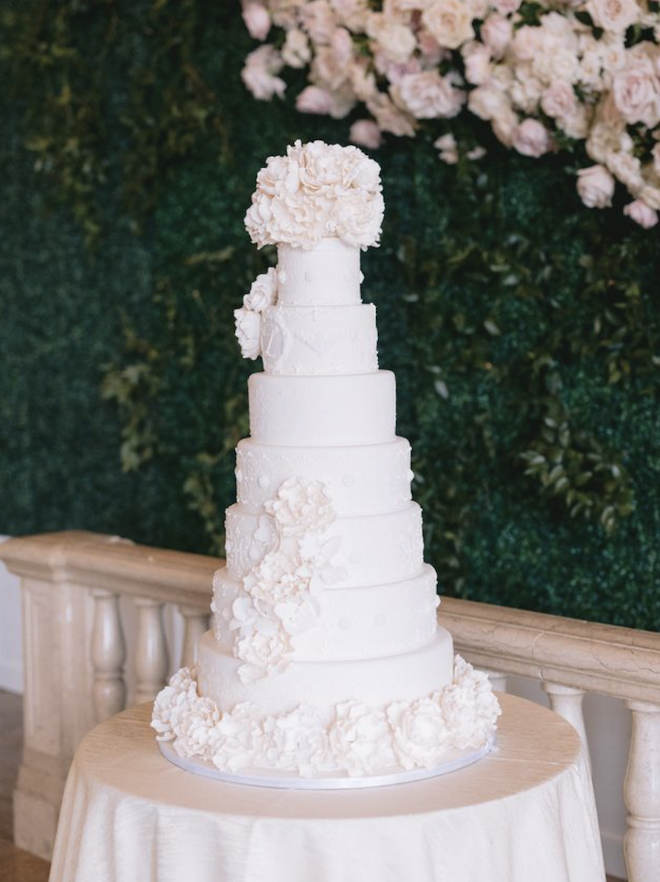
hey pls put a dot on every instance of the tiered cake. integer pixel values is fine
(325, 656)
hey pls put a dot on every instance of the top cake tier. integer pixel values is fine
(326, 275)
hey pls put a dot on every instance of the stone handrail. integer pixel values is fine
(75, 657)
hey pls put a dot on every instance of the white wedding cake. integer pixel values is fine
(325, 657)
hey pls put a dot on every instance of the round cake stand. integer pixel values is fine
(455, 759)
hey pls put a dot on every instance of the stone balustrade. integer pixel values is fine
(76, 657)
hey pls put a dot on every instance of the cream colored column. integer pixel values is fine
(195, 623)
(641, 791)
(151, 650)
(108, 653)
(567, 702)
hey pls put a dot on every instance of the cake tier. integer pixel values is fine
(377, 682)
(371, 479)
(353, 623)
(316, 340)
(326, 275)
(323, 411)
(373, 550)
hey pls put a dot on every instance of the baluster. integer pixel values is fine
(641, 792)
(151, 660)
(108, 655)
(195, 623)
(497, 679)
(567, 702)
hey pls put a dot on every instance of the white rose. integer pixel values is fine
(613, 56)
(199, 735)
(394, 40)
(603, 138)
(559, 101)
(366, 133)
(263, 292)
(505, 125)
(526, 90)
(614, 15)
(497, 33)
(595, 186)
(428, 95)
(476, 58)
(351, 13)
(527, 43)
(240, 739)
(257, 20)
(296, 51)
(420, 733)
(449, 22)
(259, 73)
(531, 138)
(636, 90)
(627, 169)
(248, 332)
(328, 69)
(641, 213)
(576, 124)
(296, 740)
(562, 64)
(487, 102)
(301, 506)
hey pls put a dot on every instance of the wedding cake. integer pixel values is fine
(325, 657)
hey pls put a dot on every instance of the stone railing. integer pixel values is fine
(80, 589)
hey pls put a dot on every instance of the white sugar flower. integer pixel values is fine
(301, 506)
(248, 332)
(421, 733)
(296, 740)
(360, 739)
(263, 292)
(240, 740)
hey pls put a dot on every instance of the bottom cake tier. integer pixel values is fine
(368, 717)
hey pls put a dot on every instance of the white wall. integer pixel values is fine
(607, 721)
(11, 647)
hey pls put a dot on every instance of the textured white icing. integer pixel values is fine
(370, 479)
(322, 411)
(373, 550)
(312, 340)
(365, 622)
(350, 735)
(326, 275)
(372, 681)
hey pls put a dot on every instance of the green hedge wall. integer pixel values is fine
(524, 329)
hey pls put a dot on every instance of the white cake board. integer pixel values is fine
(456, 759)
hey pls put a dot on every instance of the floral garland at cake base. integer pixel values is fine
(360, 740)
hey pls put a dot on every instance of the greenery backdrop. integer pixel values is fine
(524, 329)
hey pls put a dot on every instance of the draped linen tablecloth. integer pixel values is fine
(523, 814)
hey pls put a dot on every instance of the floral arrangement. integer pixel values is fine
(316, 190)
(545, 75)
(359, 740)
(280, 596)
(261, 295)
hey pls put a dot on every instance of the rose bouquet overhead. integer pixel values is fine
(544, 75)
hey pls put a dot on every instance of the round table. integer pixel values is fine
(526, 812)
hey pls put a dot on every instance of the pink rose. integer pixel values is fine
(559, 100)
(531, 138)
(507, 7)
(428, 95)
(636, 90)
(496, 32)
(313, 99)
(615, 16)
(595, 186)
(366, 133)
(449, 21)
(318, 19)
(527, 43)
(257, 20)
(476, 58)
(430, 48)
(259, 73)
(391, 39)
(641, 213)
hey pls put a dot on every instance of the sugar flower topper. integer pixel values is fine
(317, 191)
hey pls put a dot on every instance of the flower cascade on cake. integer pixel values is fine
(325, 657)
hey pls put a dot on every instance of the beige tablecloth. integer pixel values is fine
(523, 814)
